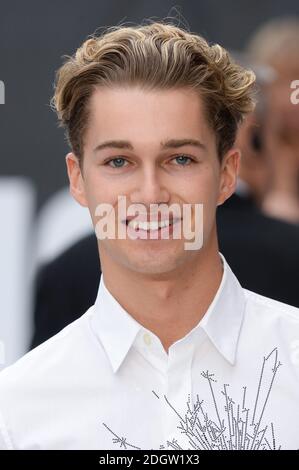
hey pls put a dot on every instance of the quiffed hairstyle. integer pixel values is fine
(157, 55)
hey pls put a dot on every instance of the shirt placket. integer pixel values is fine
(178, 397)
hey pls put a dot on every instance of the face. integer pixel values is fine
(153, 166)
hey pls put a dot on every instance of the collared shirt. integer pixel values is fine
(106, 382)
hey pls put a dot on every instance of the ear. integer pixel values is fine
(228, 174)
(77, 187)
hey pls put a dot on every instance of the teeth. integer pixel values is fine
(154, 225)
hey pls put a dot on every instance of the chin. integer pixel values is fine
(158, 264)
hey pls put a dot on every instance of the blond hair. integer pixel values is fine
(157, 55)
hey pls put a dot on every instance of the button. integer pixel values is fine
(147, 339)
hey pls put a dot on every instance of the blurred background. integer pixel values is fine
(49, 269)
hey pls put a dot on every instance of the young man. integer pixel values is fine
(174, 353)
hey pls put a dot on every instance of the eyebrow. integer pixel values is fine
(172, 143)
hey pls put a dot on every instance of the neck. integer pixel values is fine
(169, 305)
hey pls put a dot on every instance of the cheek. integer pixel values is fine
(96, 193)
(206, 187)
(98, 190)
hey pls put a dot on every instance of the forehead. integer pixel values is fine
(133, 113)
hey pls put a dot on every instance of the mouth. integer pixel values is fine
(150, 226)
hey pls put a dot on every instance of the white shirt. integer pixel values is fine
(106, 382)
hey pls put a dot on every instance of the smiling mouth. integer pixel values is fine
(150, 225)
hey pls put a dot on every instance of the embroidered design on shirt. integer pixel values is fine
(236, 427)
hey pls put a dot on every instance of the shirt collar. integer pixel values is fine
(222, 322)
(114, 326)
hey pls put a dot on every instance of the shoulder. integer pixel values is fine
(48, 361)
(44, 382)
(265, 306)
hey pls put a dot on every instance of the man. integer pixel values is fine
(262, 251)
(174, 353)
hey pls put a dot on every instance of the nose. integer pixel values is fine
(150, 188)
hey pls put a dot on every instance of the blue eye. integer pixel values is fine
(117, 162)
(183, 160)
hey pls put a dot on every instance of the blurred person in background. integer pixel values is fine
(276, 44)
(263, 250)
(254, 174)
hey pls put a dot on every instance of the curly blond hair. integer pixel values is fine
(157, 55)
